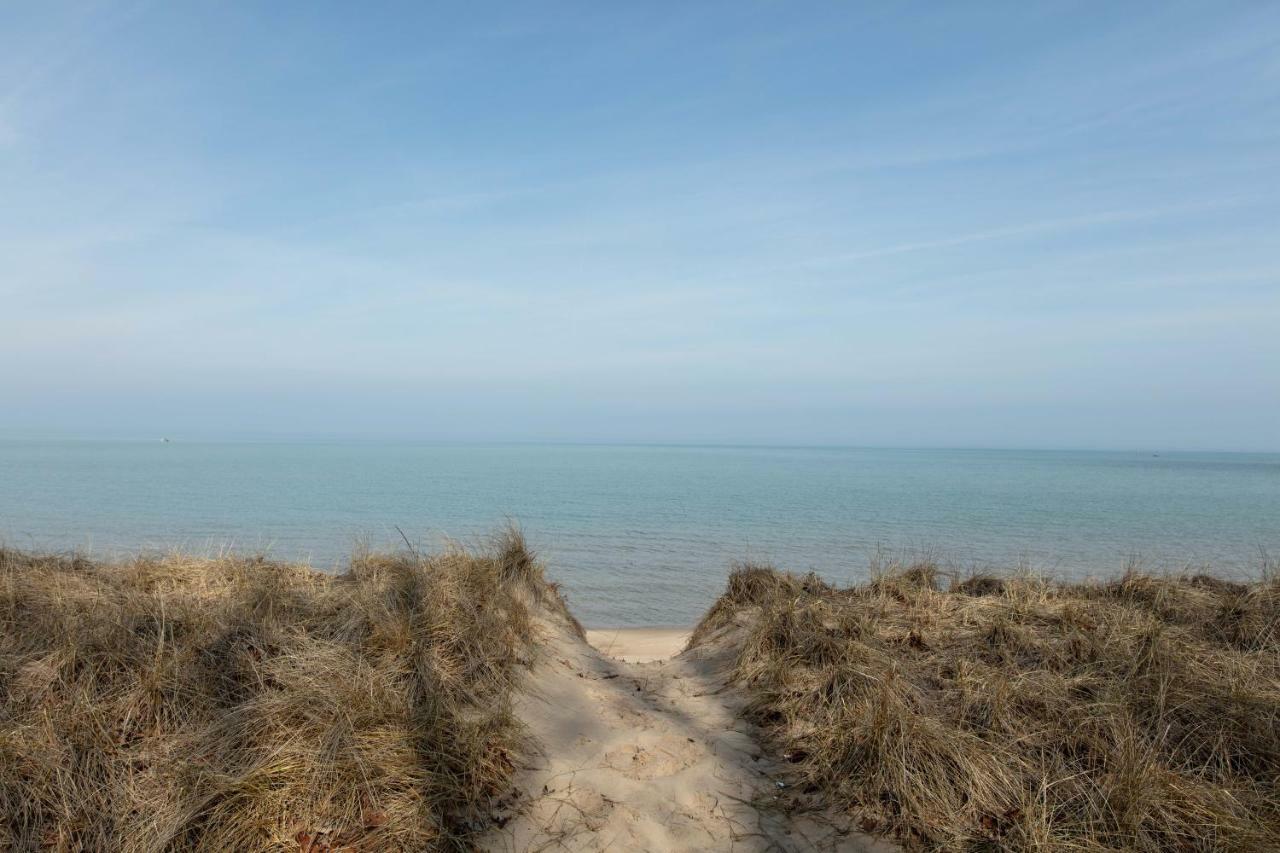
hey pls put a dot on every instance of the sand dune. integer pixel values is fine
(649, 755)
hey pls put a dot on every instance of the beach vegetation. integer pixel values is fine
(240, 703)
(984, 712)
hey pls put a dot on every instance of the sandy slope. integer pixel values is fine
(648, 756)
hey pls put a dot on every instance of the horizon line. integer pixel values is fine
(319, 438)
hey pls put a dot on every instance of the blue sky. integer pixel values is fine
(1022, 224)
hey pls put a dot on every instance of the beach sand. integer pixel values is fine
(639, 645)
(641, 746)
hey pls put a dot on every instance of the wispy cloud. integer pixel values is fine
(1042, 227)
(684, 209)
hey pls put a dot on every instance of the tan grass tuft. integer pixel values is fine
(244, 704)
(1017, 713)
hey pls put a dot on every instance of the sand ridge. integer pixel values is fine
(648, 756)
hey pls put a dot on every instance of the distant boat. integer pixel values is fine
(164, 440)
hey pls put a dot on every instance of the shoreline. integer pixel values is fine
(640, 645)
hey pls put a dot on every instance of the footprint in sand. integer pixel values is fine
(666, 757)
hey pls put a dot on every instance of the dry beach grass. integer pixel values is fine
(1018, 713)
(421, 702)
(243, 704)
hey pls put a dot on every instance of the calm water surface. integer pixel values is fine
(645, 535)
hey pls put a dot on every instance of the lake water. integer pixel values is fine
(645, 535)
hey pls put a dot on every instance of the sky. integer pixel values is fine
(979, 224)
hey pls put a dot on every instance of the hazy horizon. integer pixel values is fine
(1007, 226)
(133, 436)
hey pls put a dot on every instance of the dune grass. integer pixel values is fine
(244, 704)
(1016, 713)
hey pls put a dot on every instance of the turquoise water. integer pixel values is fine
(645, 535)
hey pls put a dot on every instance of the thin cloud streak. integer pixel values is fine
(1049, 226)
(836, 217)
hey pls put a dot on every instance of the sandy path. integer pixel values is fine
(647, 756)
